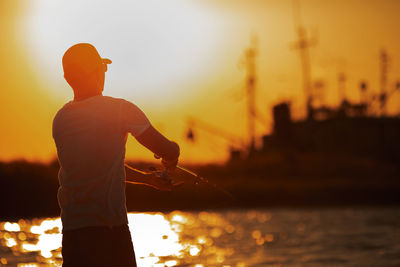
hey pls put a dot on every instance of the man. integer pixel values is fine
(90, 133)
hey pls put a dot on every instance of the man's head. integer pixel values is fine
(84, 70)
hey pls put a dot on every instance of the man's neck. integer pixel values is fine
(80, 97)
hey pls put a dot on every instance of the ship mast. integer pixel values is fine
(302, 44)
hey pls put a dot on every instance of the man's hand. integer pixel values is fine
(170, 165)
(155, 179)
(158, 182)
(161, 147)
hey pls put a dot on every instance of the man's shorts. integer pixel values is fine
(98, 246)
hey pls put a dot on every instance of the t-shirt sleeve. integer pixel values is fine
(133, 120)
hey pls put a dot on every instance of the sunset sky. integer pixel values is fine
(181, 58)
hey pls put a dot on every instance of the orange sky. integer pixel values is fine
(180, 58)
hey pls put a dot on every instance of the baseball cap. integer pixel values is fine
(80, 60)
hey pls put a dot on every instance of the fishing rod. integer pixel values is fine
(164, 175)
(161, 174)
(205, 180)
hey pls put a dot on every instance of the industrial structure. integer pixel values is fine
(361, 129)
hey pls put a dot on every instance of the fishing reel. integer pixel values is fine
(163, 175)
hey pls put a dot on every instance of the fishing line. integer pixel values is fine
(205, 180)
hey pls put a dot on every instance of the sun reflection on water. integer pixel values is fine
(11, 227)
(153, 237)
(176, 238)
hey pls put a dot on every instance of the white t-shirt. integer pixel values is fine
(90, 137)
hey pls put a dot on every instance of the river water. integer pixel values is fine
(259, 237)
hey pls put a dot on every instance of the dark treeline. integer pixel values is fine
(30, 189)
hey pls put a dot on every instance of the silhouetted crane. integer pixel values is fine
(193, 123)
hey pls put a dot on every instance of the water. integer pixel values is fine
(262, 237)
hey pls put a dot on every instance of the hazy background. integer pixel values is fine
(179, 58)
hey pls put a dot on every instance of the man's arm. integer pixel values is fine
(160, 146)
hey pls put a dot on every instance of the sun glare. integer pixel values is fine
(156, 46)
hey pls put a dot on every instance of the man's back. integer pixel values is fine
(90, 136)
